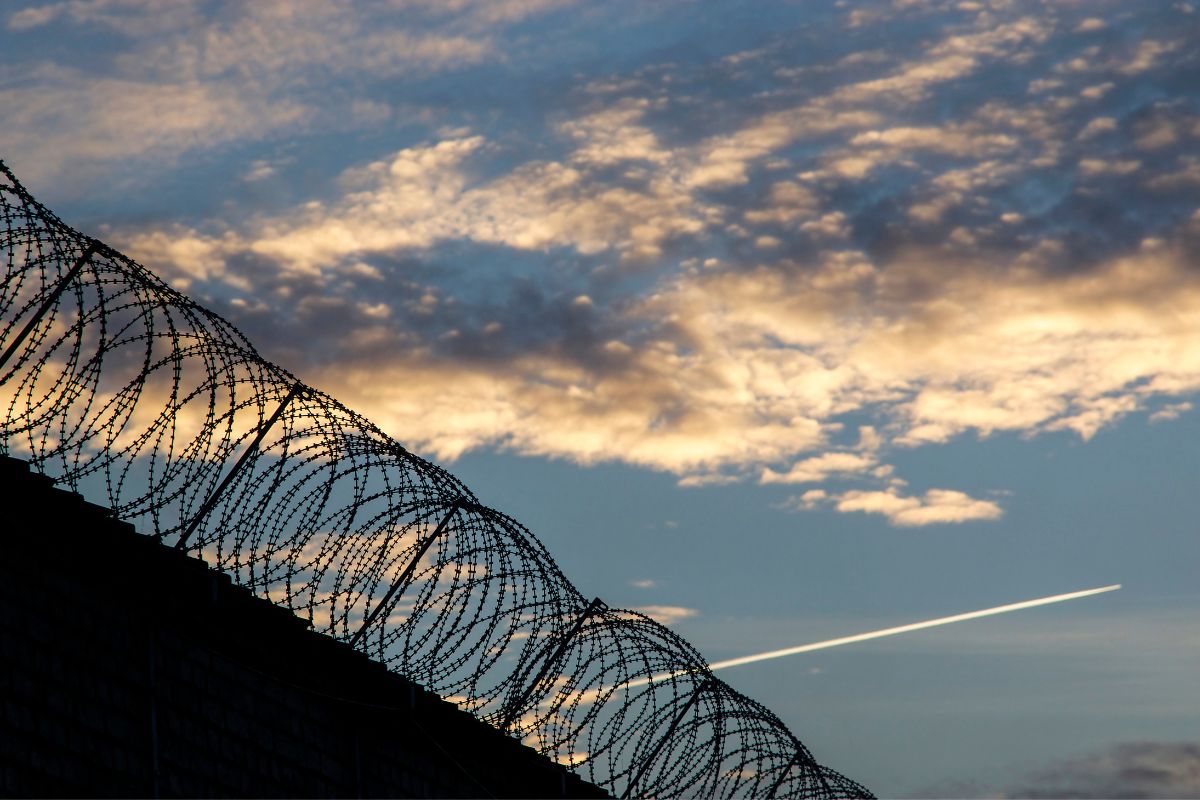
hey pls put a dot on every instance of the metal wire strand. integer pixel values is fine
(121, 388)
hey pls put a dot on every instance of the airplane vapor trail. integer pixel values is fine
(862, 637)
(915, 626)
(591, 695)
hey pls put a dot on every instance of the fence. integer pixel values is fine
(120, 387)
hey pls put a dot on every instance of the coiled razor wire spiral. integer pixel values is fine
(120, 387)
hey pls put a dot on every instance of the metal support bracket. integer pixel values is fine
(91, 250)
(649, 760)
(205, 509)
(555, 655)
(787, 770)
(408, 570)
(824, 783)
(783, 774)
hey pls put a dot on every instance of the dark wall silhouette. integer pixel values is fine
(129, 668)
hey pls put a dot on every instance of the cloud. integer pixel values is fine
(193, 77)
(742, 369)
(33, 17)
(615, 135)
(63, 116)
(716, 270)
(1026, 353)
(184, 255)
(1096, 166)
(755, 367)
(820, 468)
(277, 43)
(264, 169)
(667, 615)
(1145, 769)
(1098, 126)
(136, 17)
(1170, 412)
(934, 507)
(949, 139)
(424, 195)
(955, 57)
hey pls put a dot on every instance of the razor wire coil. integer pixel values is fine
(118, 386)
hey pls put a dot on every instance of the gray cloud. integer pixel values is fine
(165, 80)
(1130, 770)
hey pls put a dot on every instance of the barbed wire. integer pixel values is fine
(121, 388)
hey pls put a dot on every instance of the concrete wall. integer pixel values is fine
(129, 669)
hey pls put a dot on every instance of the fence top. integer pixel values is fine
(122, 388)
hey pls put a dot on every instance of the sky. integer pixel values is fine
(780, 321)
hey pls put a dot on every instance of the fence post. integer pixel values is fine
(408, 570)
(250, 450)
(91, 250)
(514, 707)
(646, 762)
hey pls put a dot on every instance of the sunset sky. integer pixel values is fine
(778, 320)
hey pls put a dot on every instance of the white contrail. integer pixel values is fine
(862, 637)
(915, 626)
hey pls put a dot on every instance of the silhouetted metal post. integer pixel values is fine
(783, 775)
(91, 250)
(794, 761)
(824, 783)
(560, 648)
(646, 762)
(250, 450)
(408, 570)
